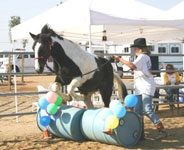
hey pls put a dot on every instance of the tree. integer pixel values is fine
(15, 20)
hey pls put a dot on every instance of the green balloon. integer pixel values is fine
(52, 109)
(58, 101)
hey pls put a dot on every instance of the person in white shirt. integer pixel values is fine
(144, 84)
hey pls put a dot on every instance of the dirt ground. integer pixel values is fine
(25, 134)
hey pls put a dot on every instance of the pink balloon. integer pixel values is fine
(51, 97)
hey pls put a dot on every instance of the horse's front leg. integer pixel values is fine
(87, 100)
(56, 87)
(76, 82)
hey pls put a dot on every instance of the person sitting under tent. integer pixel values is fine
(171, 77)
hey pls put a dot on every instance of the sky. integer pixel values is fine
(27, 9)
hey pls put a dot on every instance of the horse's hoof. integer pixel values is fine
(55, 87)
(70, 98)
(66, 98)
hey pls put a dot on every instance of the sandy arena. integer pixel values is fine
(25, 135)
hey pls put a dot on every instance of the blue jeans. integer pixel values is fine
(144, 107)
(171, 92)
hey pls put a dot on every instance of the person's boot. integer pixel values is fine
(142, 138)
(46, 134)
(172, 106)
(109, 132)
(161, 130)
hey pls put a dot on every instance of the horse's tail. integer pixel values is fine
(122, 90)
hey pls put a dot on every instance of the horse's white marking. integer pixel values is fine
(76, 82)
(84, 60)
(37, 66)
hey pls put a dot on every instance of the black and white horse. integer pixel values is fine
(74, 66)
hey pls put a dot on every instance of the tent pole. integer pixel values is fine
(104, 39)
(90, 43)
(90, 46)
(15, 81)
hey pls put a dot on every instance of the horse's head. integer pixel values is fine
(42, 47)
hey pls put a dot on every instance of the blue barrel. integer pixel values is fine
(126, 134)
(67, 124)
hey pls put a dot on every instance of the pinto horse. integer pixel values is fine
(74, 67)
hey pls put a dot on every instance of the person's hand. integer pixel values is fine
(115, 57)
(177, 83)
(168, 83)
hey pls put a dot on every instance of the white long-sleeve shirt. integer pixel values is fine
(143, 79)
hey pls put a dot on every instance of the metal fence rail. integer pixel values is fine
(103, 54)
(28, 74)
(17, 114)
(22, 93)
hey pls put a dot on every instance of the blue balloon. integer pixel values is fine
(120, 111)
(45, 120)
(114, 103)
(43, 103)
(130, 100)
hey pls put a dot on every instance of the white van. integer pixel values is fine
(28, 63)
(29, 60)
(4, 64)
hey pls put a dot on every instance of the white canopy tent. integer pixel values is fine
(131, 19)
(70, 19)
(175, 13)
(123, 21)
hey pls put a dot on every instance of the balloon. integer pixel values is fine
(114, 103)
(58, 114)
(58, 100)
(119, 111)
(52, 109)
(43, 103)
(43, 112)
(130, 100)
(51, 97)
(45, 120)
(112, 122)
(104, 113)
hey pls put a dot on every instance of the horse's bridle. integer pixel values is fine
(45, 59)
(41, 58)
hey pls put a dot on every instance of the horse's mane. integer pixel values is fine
(47, 30)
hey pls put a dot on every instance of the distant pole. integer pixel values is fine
(15, 83)
(104, 39)
(90, 46)
(9, 61)
(15, 20)
(9, 71)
